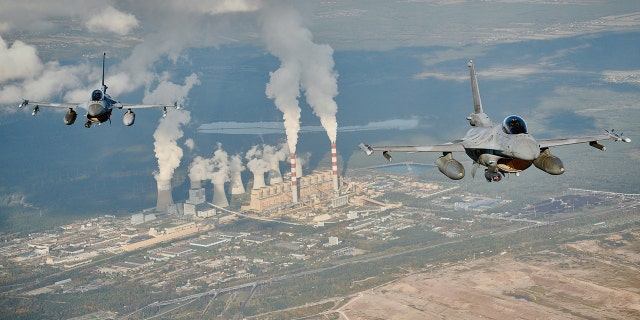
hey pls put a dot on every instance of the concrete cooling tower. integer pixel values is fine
(164, 195)
(275, 176)
(258, 179)
(236, 183)
(219, 197)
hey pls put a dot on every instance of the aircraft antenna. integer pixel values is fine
(104, 87)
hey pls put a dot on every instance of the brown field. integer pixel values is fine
(580, 280)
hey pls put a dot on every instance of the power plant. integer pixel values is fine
(280, 194)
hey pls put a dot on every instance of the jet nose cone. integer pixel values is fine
(527, 149)
(95, 109)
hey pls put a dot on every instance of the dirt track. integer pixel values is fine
(581, 281)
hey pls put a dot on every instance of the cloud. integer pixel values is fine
(112, 20)
(168, 92)
(18, 61)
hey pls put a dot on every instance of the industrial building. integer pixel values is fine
(314, 187)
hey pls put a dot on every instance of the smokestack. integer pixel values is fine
(274, 173)
(334, 166)
(164, 195)
(219, 198)
(236, 183)
(294, 181)
(196, 183)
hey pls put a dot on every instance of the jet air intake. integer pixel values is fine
(549, 163)
(450, 167)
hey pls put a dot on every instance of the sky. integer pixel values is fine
(568, 67)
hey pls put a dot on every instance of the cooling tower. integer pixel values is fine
(219, 198)
(334, 166)
(294, 181)
(236, 183)
(196, 184)
(164, 195)
(258, 179)
(274, 173)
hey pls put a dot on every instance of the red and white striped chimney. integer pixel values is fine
(294, 181)
(334, 166)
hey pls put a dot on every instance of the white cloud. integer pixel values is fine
(18, 61)
(112, 20)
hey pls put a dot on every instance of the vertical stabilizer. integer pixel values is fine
(104, 87)
(477, 102)
(478, 118)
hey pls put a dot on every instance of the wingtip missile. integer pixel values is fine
(366, 149)
(617, 136)
(24, 103)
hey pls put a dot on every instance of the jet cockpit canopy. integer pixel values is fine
(96, 95)
(514, 125)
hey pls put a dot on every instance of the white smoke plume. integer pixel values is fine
(302, 161)
(257, 165)
(280, 35)
(235, 163)
(220, 162)
(200, 169)
(305, 65)
(274, 155)
(190, 144)
(166, 147)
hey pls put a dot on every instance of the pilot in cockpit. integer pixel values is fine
(96, 95)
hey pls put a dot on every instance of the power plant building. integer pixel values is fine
(316, 186)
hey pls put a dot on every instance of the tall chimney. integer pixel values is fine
(164, 195)
(258, 179)
(274, 173)
(334, 166)
(219, 198)
(236, 183)
(294, 181)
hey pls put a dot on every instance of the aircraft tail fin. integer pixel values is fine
(104, 87)
(477, 102)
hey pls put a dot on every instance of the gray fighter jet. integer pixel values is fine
(99, 107)
(503, 149)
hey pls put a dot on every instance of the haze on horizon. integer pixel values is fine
(402, 60)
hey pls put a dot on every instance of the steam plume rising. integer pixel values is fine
(257, 165)
(168, 153)
(305, 65)
(274, 155)
(236, 168)
(281, 33)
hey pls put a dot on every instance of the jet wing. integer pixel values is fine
(446, 147)
(592, 140)
(142, 106)
(66, 105)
